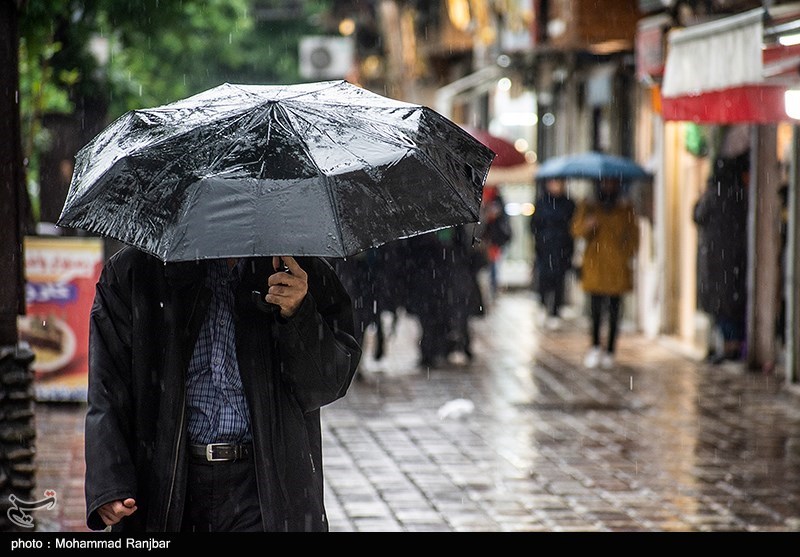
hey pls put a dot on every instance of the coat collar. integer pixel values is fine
(185, 273)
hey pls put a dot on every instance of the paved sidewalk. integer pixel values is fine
(525, 439)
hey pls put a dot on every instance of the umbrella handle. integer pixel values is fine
(283, 267)
(258, 299)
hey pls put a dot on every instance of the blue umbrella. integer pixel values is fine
(591, 165)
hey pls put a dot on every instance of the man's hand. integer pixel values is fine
(113, 512)
(287, 289)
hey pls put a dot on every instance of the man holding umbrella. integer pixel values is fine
(220, 433)
(221, 330)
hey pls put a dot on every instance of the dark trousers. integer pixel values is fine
(433, 338)
(732, 330)
(551, 290)
(222, 497)
(599, 304)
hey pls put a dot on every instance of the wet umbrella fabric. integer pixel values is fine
(326, 169)
(591, 165)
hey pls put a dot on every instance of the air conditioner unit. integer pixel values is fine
(323, 57)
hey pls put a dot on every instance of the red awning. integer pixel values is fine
(720, 72)
(754, 104)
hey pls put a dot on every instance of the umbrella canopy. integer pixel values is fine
(326, 169)
(591, 165)
(507, 154)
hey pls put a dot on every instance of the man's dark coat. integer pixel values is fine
(145, 320)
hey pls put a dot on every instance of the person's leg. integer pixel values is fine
(433, 339)
(493, 278)
(427, 340)
(558, 293)
(543, 286)
(544, 297)
(614, 303)
(592, 358)
(732, 334)
(597, 317)
(737, 347)
(236, 494)
(380, 337)
(199, 498)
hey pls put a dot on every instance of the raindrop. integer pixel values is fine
(161, 304)
(631, 387)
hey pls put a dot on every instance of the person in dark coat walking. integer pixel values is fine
(553, 246)
(205, 384)
(426, 298)
(363, 277)
(461, 261)
(721, 218)
(444, 293)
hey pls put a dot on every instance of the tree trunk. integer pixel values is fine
(17, 432)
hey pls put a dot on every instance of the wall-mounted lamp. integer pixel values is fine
(791, 102)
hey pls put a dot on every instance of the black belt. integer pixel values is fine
(221, 452)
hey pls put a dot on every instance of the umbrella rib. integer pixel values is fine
(444, 178)
(363, 117)
(345, 148)
(324, 176)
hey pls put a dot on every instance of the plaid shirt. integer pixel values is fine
(214, 396)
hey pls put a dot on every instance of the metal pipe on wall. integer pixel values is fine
(792, 277)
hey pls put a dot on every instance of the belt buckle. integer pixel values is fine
(210, 452)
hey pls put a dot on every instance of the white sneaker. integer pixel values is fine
(541, 320)
(607, 360)
(552, 323)
(592, 359)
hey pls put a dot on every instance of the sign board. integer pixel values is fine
(60, 278)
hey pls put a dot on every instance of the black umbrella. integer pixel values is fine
(326, 169)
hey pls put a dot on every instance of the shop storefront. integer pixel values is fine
(722, 94)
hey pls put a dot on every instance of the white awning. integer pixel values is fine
(716, 55)
(715, 73)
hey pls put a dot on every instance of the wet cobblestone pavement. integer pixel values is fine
(660, 443)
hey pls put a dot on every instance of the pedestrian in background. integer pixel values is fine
(721, 218)
(608, 225)
(426, 297)
(462, 261)
(553, 247)
(495, 233)
(363, 277)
